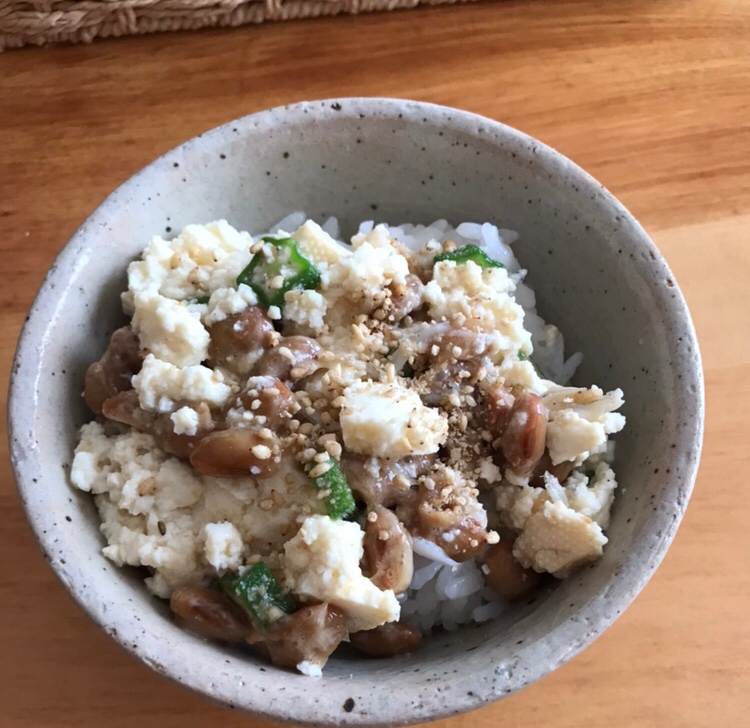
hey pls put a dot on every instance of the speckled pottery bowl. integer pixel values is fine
(596, 274)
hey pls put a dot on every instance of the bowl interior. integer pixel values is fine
(595, 273)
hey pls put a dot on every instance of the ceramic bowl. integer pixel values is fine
(596, 273)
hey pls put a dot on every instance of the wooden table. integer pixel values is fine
(653, 98)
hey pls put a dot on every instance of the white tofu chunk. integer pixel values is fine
(322, 562)
(223, 545)
(571, 437)
(389, 421)
(160, 385)
(557, 539)
(170, 330)
(317, 245)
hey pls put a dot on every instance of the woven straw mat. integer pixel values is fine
(37, 22)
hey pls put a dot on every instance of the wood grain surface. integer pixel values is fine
(652, 97)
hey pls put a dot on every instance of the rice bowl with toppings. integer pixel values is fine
(596, 274)
(308, 442)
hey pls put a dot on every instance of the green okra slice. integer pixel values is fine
(259, 593)
(276, 268)
(469, 253)
(338, 496)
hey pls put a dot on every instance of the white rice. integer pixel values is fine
(448, 595)
(443, 592)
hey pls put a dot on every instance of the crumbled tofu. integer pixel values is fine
(488, 471)
(389, 421)
(374, 265)
(146, 478)
(306, 308)
(154, 507)
(185, 421)
(228, 301)
(164, 283)
(515, 503)
(223, 546)
(479, 293)
(317, 245)
(557, 539)
(592, 497)
(170, 330)
(515, 373)
(201, 258)
(322, 562)
(161, 385)
(571, 437)
(580, 421)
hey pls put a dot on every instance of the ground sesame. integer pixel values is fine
(276, 282)
(333, 448)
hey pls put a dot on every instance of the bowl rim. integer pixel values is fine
(589, 627)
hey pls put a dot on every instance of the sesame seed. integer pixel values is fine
(402, 482)
(320, 469)
(262, 452)
(334, 449)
